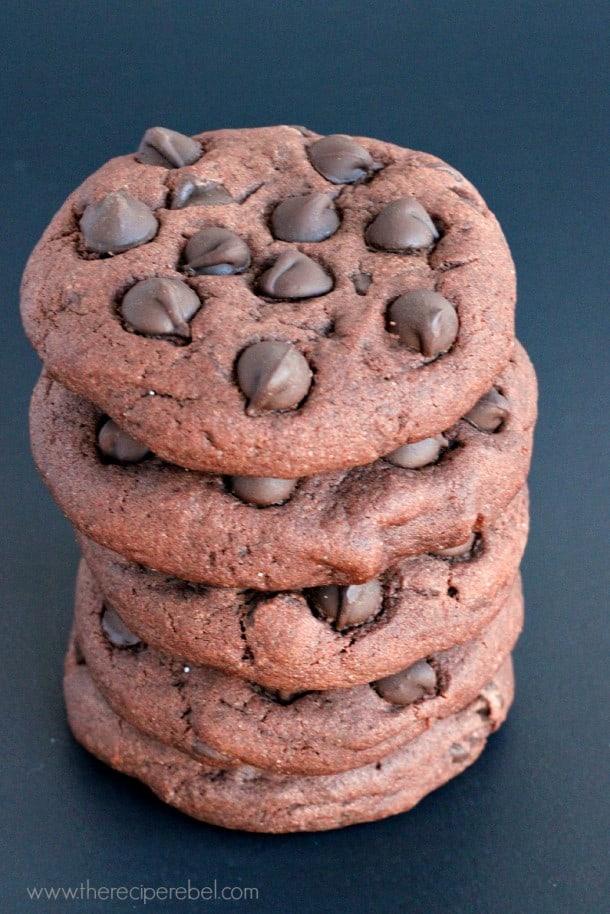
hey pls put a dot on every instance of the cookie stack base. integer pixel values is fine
(253, 800)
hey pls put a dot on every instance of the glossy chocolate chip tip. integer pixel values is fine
(402, 226)
(348, 606)
(273, 376)
(293, 276)
(160, 307)
(116, 446)
(190, 191)
(490, 413)
(168, 148)
(116, 631)
(341, 160)
(417, 682)
(117, 223)
(311, 217)
(262, 491)
(424, 321)
(418, 454)
(216, 251)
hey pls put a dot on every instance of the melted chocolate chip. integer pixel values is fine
(273, 375)
(416, 682)
(419, 454)
(117, 223)
(341, 160)
(115, 629)
(461, 549)
(311, 217)
(347, 606)
(262, 491)
(161, 146)
(403, 225)
(216, 252)
(294, 275)
(160, 307)
(192, 192)
(459, 753)
(117, 446)
(490, 413)
(424, 321)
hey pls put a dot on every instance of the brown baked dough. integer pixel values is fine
(370, 392)
(247, 798)
(343, 528)
(311, 733)
(429, 604)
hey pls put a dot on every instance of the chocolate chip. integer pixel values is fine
(160, 146)
(347, 606)
(362, 282)
(311, 217)
(192, 192)
(262, 491)
(461, 549)
(419, 454)
(117, 223)
(424, 321)
(416, 682)
(490, 412)
(403, 225)
(273, 375)
(295, 275)
(160, 307)
(341, 160)
(216, 252)
(458, 753)
(117, 446)
(115, 629)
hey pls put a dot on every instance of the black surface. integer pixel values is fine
(512, 94)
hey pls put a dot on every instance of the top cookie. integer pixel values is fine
(266, 302)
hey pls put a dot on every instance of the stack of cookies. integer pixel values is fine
(284, 408)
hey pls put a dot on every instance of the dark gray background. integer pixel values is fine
(511, 93)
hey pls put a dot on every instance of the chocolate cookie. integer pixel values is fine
(305, 733)
(339, 528)
(425, 604)
(375, 277)
(247, 798)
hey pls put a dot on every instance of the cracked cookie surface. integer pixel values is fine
(429, 604)
(315, 732)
